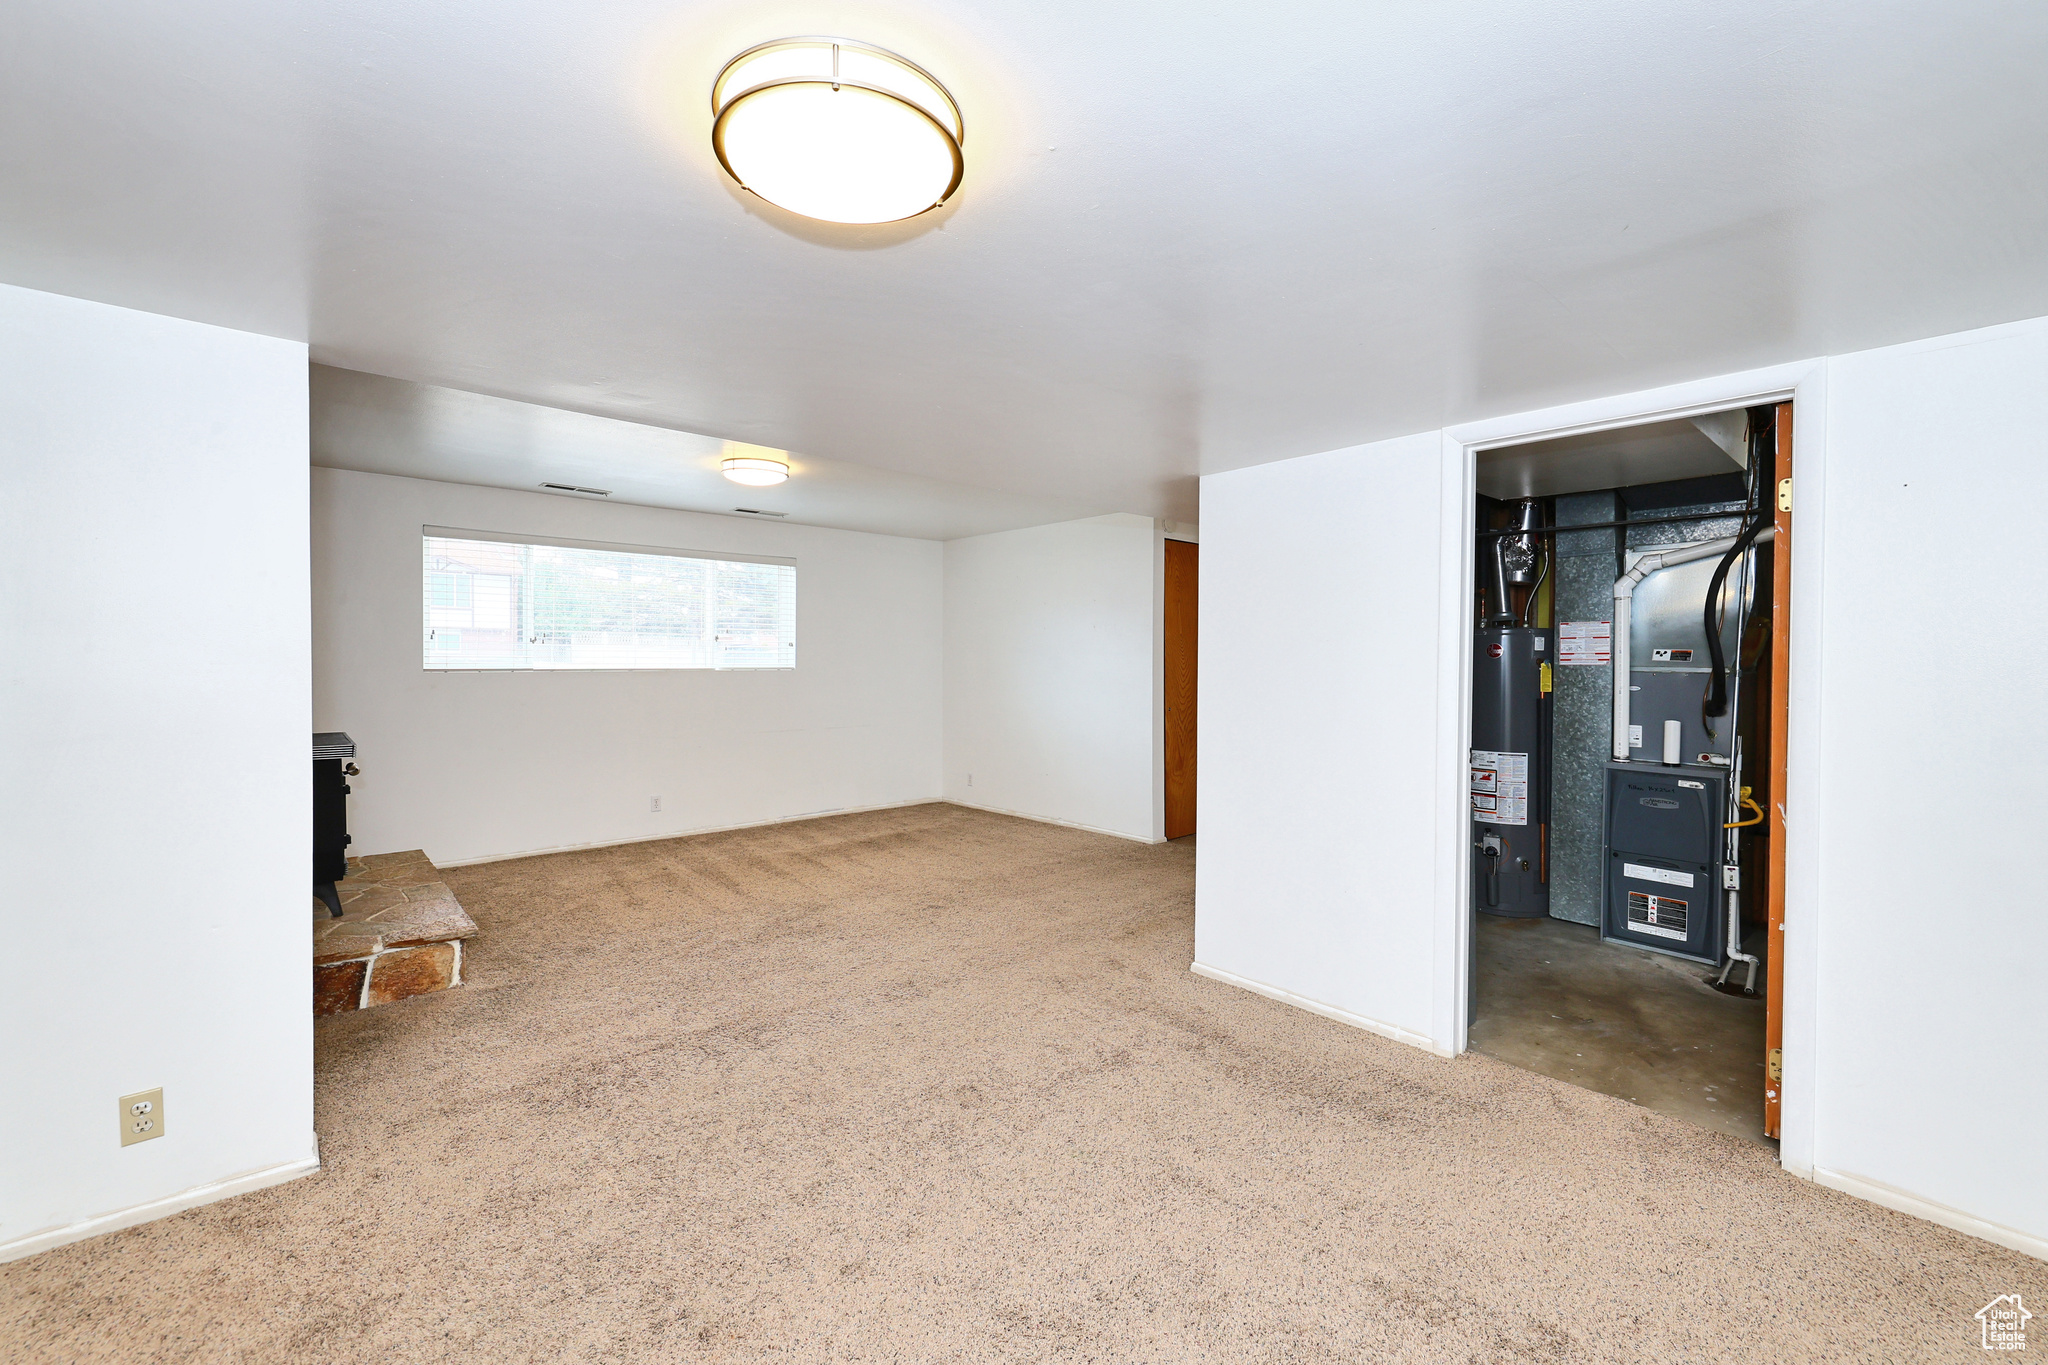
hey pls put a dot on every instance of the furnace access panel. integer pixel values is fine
(1664, 855)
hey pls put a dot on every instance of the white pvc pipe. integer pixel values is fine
(1624, 602)
(1735, 953)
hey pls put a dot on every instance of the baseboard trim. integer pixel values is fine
(1303, 1002)
(1050, 820)
(246, 1183)
(1877, 1192)
(687, 833)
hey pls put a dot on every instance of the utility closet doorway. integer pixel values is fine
(1183, 561)
(1631, 624)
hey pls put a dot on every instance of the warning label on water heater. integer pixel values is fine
(1584, 643)
(1500, 788)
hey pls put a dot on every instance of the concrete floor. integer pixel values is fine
(1640, 1026)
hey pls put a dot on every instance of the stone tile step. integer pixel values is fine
(400, 934)
(398, 974)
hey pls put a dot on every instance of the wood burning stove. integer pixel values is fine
(331, 751)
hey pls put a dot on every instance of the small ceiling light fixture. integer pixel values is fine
(754, 473)
(837, 130)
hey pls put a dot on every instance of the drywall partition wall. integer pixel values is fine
(1911, 1001)
(155, 795)
(1931, 943)
(1053, 687)
(480, 765)
(1320, 694)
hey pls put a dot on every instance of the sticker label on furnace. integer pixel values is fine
(1584, 644)
(1656, 874)
(1500, 787)
(1663, 916)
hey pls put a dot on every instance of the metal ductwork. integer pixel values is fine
(1513, 562)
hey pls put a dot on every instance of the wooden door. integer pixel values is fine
(1780, 697)
(1182, 559)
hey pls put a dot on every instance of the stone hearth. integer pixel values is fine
(400, 933)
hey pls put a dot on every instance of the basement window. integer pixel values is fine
(492, 601)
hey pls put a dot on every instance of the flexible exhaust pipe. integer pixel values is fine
(1624, 603)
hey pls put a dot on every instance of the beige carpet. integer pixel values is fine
(936, 1085)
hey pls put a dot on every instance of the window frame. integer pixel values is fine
(432, 532)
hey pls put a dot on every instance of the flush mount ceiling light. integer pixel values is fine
(754, 473)
(838, 130)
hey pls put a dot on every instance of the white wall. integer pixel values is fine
(482, 765)
(1317, 737)
(1053, 683)
(155, 822)
(1916, 940)
(1932, 935)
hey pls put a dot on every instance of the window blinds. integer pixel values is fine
(490, 601)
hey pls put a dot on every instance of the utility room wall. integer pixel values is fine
(1318, 731)
(155, 791)
(1931, 932)
(470, 766)
(1915, 1006)
(1053, 685)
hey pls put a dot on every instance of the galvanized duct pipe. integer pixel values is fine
(1624, 601)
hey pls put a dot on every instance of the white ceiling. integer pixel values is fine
(1191, 237)
(1655, 452)
(392, 426)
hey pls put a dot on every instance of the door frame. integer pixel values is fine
(1190, 657)
(1804, 383)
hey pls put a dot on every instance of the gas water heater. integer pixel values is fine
(1508, 767)
(1509, 780)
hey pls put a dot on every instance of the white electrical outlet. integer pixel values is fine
(654, 805)
(142, 1116)
(970, 779)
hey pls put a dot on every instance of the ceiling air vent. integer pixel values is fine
(757, 512)
(572, 488)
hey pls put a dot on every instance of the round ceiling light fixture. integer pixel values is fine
(754, 473)
(837, 130)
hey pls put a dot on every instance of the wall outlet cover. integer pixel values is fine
(142, 1116)
(654, 804)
